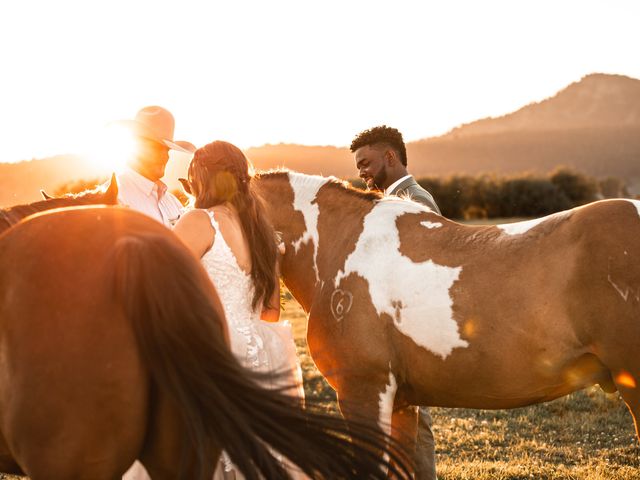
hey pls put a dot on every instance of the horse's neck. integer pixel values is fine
(5, 223)
(12, 215)
(332, 220)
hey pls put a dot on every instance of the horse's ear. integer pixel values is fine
(111, 194)
(185, 185)
(45, 195)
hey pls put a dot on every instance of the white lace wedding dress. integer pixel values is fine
(258, 345)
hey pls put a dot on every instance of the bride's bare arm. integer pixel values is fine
(272, 314)
(196, 232)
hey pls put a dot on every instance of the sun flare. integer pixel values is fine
(112, 149)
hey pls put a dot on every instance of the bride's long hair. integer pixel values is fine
(220, 173)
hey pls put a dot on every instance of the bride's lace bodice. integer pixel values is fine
(258, 345)
(235, 290)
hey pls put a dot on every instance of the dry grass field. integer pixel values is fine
(588, 435)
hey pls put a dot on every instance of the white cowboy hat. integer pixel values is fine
(157, 124)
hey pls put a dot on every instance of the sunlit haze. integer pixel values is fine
(289, 71)
(111, 147)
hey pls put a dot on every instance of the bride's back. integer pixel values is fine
(222, 261)
(230, 228)
(220, 180)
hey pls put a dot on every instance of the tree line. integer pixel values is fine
(469, 197)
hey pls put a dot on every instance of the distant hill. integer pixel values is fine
(21, 182)
(604, 151)
(592, 125)
(597, 101)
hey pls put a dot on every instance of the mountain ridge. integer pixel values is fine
(597, 100)
(592, 125)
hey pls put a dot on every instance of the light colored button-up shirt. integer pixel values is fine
(151, 198)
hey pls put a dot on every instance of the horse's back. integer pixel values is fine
(69, 357)
(551, 302)
(605, 291)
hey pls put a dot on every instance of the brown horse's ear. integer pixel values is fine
(45, 195)
(186, 185)
(111, 194)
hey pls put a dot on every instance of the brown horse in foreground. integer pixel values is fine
(113, 347)
(408, 308)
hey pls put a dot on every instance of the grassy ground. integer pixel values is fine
(588, 435)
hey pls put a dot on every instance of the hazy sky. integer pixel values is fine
(255, 72)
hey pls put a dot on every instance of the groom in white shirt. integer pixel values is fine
(139, 186)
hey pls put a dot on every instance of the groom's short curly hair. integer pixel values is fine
(382, 134)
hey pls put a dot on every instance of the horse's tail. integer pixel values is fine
(180, 333)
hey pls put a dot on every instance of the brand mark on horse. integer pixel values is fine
(341, 301)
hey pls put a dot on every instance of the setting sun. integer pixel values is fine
(111, 148)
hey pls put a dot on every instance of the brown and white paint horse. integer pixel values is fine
(408, 308)
(113, 346)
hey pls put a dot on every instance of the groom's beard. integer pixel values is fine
(379, 181)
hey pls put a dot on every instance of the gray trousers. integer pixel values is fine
(425, 447)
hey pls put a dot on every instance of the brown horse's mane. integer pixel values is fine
(12, 215)
(333, 183)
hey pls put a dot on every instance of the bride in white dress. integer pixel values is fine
(229, 232)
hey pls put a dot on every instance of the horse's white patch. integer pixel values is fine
(635, 203)
(385, 403)
(415, 295)
(305, 189)
(518, 228)
(429, 224)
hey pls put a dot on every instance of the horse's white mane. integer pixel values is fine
(305, 180)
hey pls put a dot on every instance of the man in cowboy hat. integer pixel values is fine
(139, 186)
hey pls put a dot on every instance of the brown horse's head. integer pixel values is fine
(103, 195)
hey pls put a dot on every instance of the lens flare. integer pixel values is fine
(469, 328)
(625, 379)
(112, 148)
